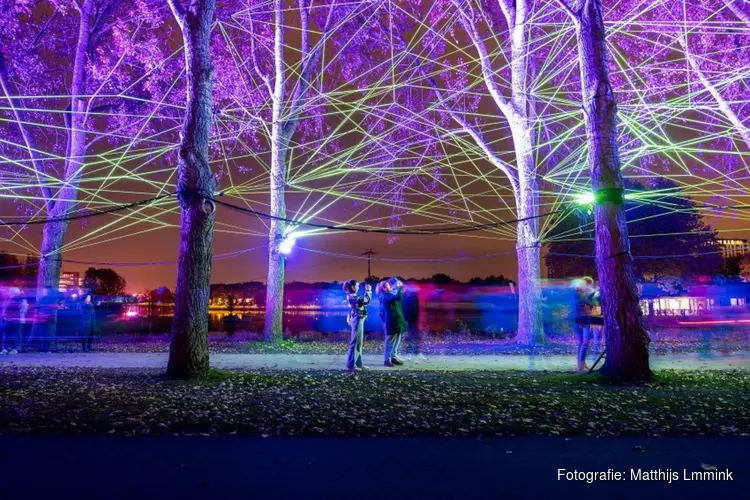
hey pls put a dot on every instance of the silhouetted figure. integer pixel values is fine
(356, 318)
(15, 308)
(86, 323)
(46, 316)
(411, 315)
(391, 293)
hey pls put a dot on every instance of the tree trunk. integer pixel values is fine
(519, 111)
(274, 313)
(530, 319)
(196, 184)
(53, 235)
(273, 329)
(626, 337)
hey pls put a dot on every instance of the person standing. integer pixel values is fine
(585, 299)
(356, 318)
(15, 316)
(411, 315)
(391, 296)
(46, 316)
(86, 323)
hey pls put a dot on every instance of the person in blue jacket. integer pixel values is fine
(356, 318)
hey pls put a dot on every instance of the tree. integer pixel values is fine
(443, 279)
(287, 101)
(732, 268)
(278, 51)
(744, 265)
(626, 336)
(662, 221)
(196, 185)
(83, 53)
(104, 282)
(516, 105)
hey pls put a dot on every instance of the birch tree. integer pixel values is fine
(81, 50)
(517, 107)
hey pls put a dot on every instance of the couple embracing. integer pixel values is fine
(390, 293)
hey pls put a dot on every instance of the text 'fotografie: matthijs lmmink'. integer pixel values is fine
(665, 475)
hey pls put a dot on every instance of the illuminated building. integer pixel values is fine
(734, 248)
(70, 281)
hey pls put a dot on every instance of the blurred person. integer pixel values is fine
(586, 297)
(391, 294)
(356, 319)
(4, 291)
(86, 322)
(411, 315)
(46, 316)
(15, 308)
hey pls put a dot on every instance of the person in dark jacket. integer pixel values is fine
(14, 316)
(391, 293)
(411, 315)
(86, 323)
(356, 318)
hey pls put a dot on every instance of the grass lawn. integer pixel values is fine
(277, 403)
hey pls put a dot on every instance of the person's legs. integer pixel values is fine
(90, 339)
(596, 332)
(17, 336)
(351, 355)
(359, 342)
(390, 341)
(396, 346)
(583, 343)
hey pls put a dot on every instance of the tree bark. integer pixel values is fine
(53, 235)
(196, 184)
(625, 334)
(273, 329)
(528, 250)
(274, 312)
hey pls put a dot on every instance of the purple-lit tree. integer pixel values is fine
(626, 336)
(196, 184)
(480, 21)
(84, 52)
(280, 51)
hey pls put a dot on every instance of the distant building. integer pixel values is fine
(734, 248)
(70, 281)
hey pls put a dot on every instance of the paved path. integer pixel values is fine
(330, 362)
(186, 468)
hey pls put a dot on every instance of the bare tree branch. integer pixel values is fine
(263, 76)
(738, 11)
(466, 13)
(41, 33)
(18, 113)
(504, 167)
(509, 11)
(575, 17)
(724, 106)
(178, 11)
(309, 61)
